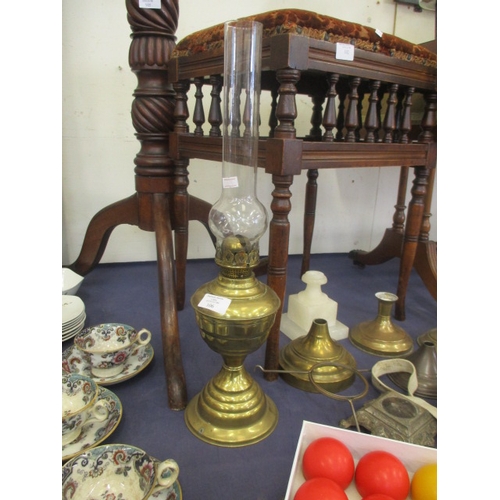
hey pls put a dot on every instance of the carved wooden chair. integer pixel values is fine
(361, 111)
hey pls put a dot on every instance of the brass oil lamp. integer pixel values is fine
(235, 311)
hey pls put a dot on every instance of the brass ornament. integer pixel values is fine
(232, 410)
(300, 355)
(381, 336)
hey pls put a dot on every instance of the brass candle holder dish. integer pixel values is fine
(301, 354)
(381, 336)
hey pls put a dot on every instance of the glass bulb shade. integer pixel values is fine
(238, 219)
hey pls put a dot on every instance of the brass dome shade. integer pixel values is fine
(301, 354)
(381, 336)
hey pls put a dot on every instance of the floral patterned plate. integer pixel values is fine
(74, 362)
(94, 433)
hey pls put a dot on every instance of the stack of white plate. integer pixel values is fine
(73, 316)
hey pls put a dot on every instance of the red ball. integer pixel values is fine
(382, 472)
(378, 496)
(320, 488)
(330, 458)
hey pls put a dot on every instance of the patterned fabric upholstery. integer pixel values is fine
(313, 25)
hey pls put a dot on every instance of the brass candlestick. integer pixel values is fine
(381, 336)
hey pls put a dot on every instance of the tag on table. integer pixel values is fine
(215, 303)
(345, 51)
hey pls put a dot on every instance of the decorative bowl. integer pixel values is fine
(79, 405)
(70, 282)
(116, 471)
(107, 346)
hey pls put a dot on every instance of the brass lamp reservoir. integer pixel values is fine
(232, 409)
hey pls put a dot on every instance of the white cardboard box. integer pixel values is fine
(413, 456)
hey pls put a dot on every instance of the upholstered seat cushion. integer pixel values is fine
(313, 25)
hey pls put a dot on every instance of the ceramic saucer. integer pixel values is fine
(73, 362)
(75, 330)
(71, 324)
(175, 494)
(94, 433)
(72, 308)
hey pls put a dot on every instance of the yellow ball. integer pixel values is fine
(424, 483)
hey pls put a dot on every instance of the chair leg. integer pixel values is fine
(279, 235)
(426, 258)
(392, 242)
(426, 265)
(411, 238)
(309, 218)
(99, 230)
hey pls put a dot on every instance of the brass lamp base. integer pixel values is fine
(300, 356)
(232, 410)
(381, 336)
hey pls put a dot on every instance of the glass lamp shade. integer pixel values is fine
(238, 219)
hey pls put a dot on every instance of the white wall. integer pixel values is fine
(99, 145)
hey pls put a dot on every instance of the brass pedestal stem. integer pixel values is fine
(231, 410)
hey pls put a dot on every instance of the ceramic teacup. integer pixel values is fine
(80, 405)
(107, 347)
(117, 471)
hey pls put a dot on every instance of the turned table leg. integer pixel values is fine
(279, 235)
(176, 383)
(309, 217)
(411, 237)
(282, 167)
